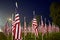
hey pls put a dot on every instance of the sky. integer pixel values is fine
(25, 8)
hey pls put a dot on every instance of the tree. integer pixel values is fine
(55, 13)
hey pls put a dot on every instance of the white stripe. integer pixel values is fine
(41, 21)
(16, 31)
(16, 15)
(17, 18)
(17, 21)
(34, 19)
(34, 22)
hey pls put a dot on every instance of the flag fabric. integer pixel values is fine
(17, 28)
(13, 29)
(57, 29)
(34, 26)
(42, 27)
(43, 30)
(25, 29)
(53, 28)
(39, 27)
(6, 29)
(41, 22)
(45, 27)
(49, 28)
(29, 29)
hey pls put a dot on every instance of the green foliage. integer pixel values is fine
(2, 36)
(56, 36)
(30, 36)
(55, 13)
(51, 36)
(10, 36)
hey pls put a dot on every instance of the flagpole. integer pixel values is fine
(13, 18)
(42, 36)
(24, 36)
(24, 28)
(49, 28)
(34, 17)
(31, 31)
(45, 27)
(35, 37)
(42, 29)
(12, 22)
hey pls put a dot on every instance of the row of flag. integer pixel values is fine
(17, 29)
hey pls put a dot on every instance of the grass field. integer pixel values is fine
(30, 36)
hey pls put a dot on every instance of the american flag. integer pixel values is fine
(49, 28)
(42, 28)
(53, 27)
(42, 25)
(45, 26)
(16, 28)
(25, 29)
(29, 29)
(34, 26)
(6, 29)
(57, 28)
(13, 29)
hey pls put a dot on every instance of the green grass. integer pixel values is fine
(51, 36)
(30, 36)
(3, 36)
